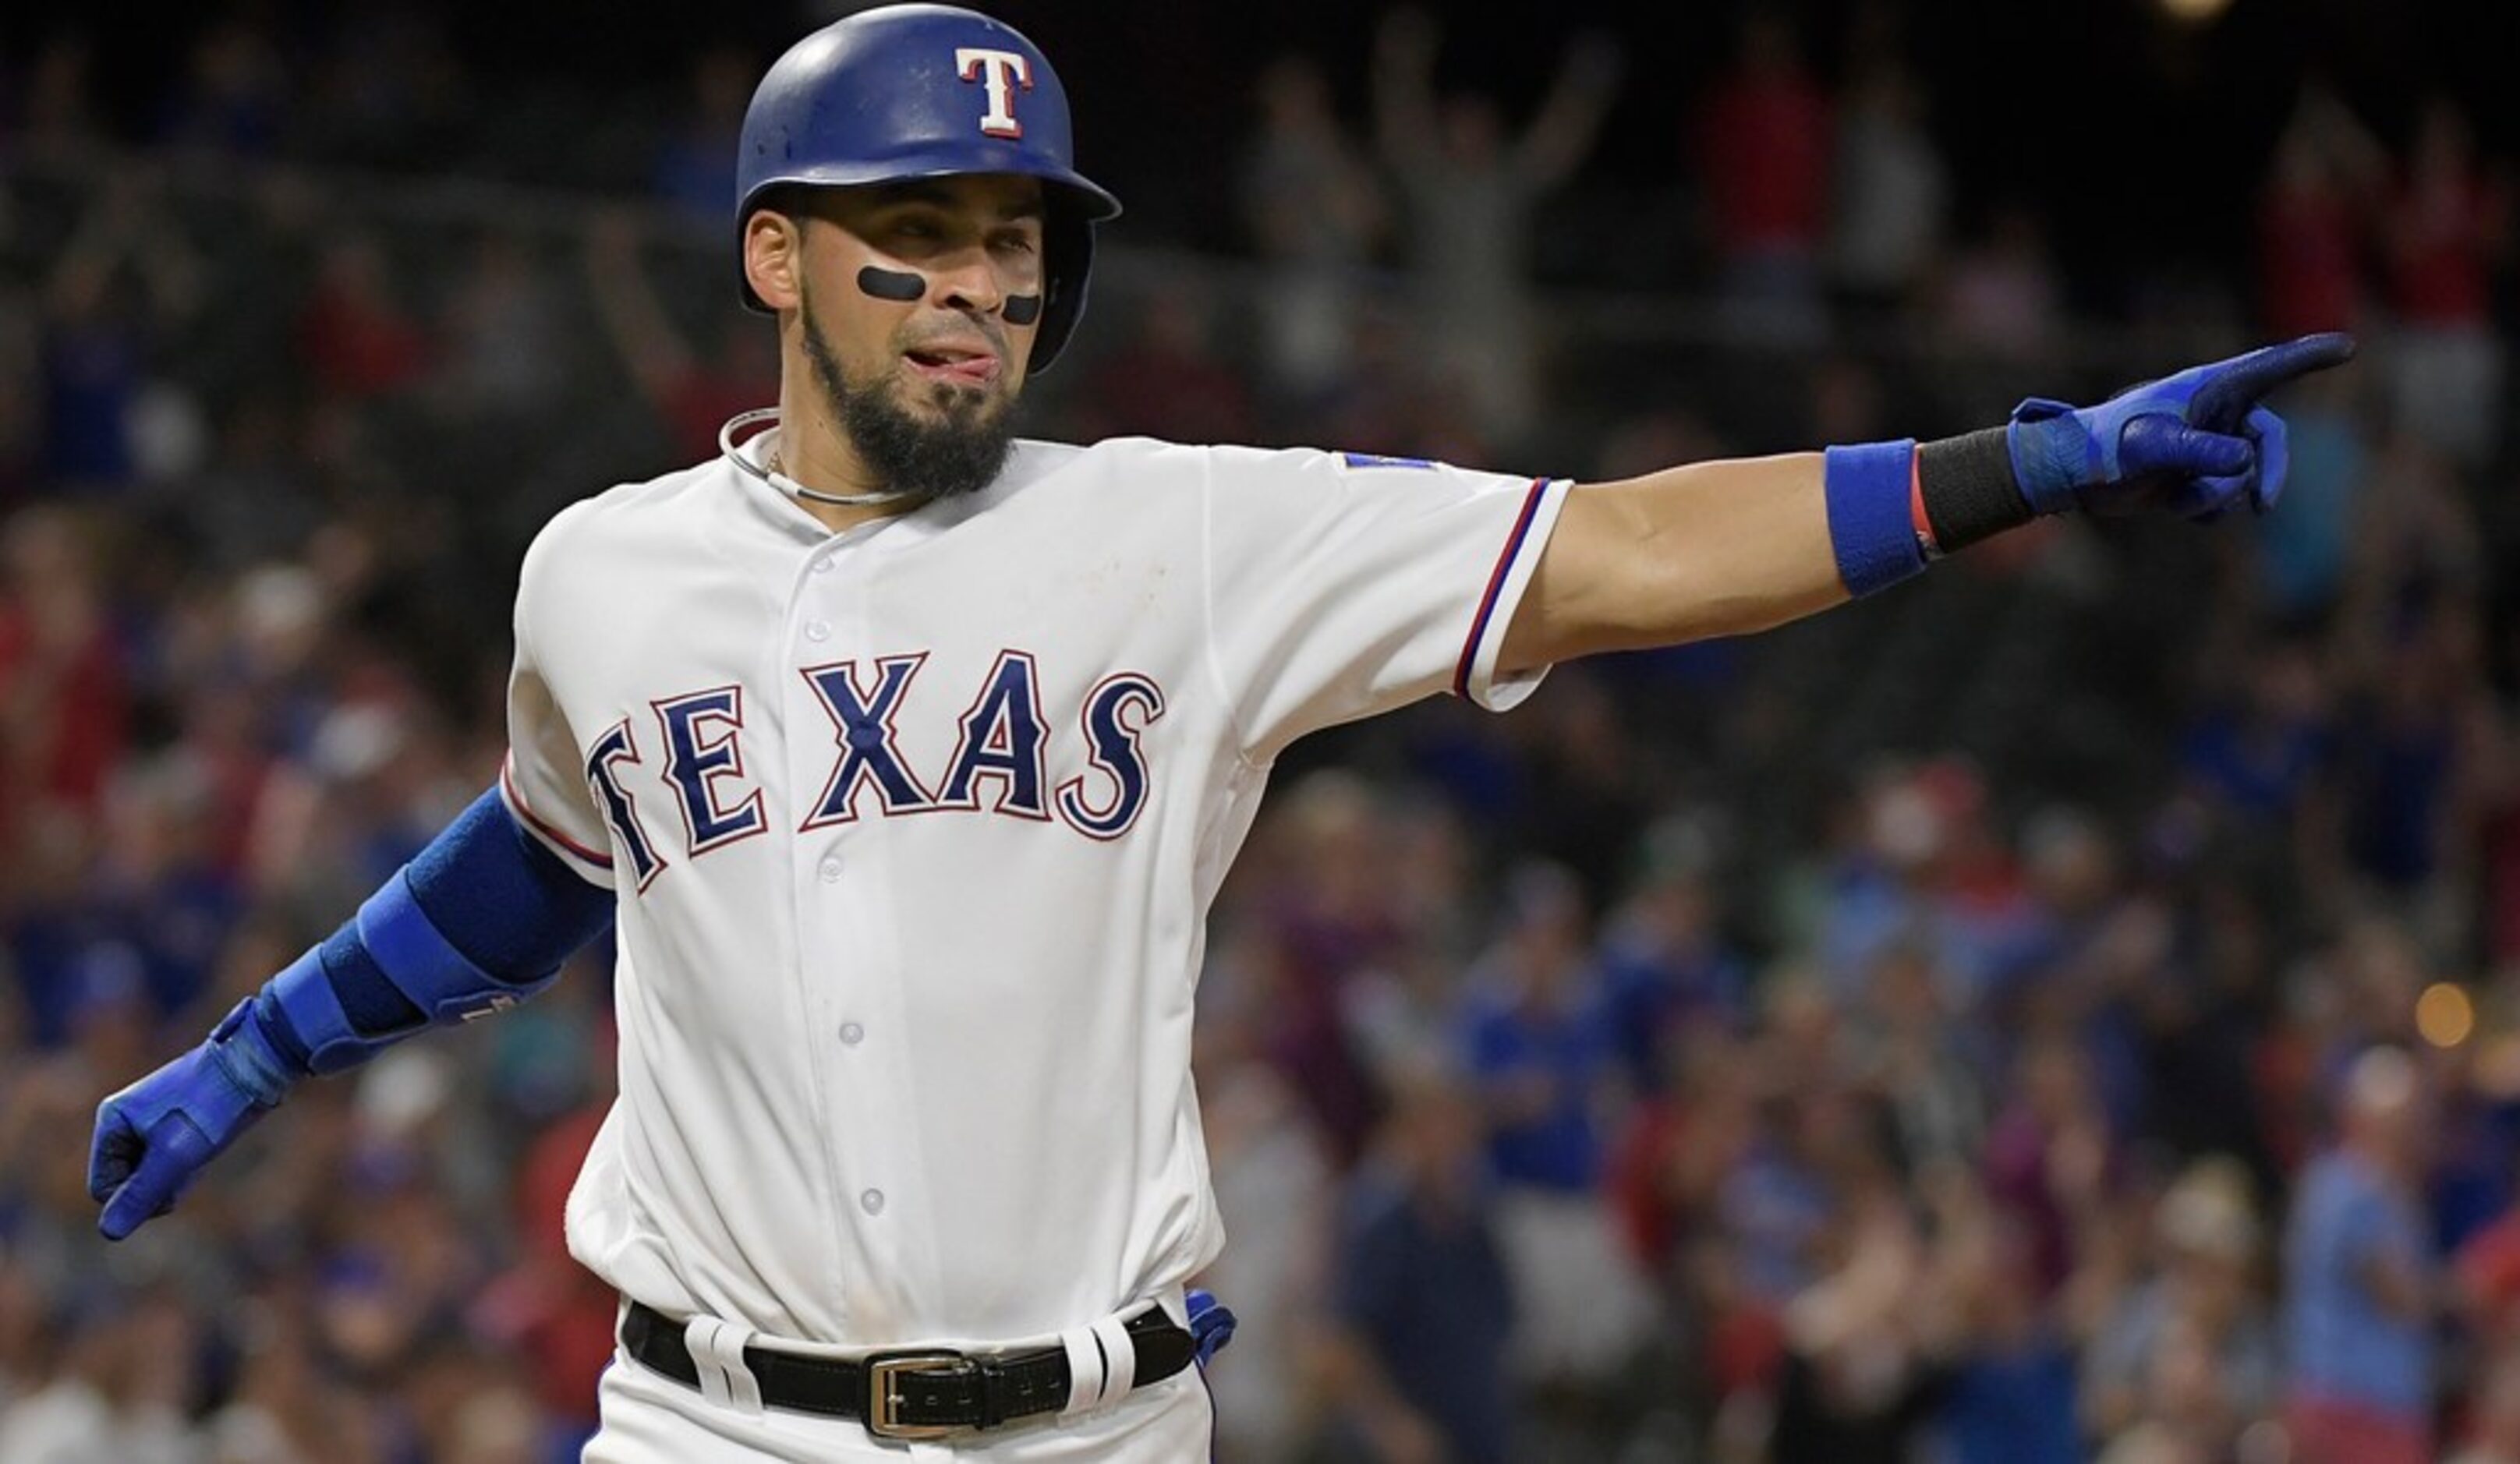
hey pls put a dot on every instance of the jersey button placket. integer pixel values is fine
(844, 937)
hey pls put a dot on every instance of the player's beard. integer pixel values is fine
(960, 452)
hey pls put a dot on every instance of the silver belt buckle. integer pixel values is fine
(884, 1405)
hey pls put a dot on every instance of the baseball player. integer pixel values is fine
(907, 757)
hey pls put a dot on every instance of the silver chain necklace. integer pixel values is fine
(777, 479)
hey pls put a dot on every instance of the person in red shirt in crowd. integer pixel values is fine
(64, 697)
(2449, 225)
(1763, 153)
(2327, 183)
(353, 335)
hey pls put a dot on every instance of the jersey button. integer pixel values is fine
(823, 565)
(818, 629)
(871, 1202)
(830, 869)
(851, 1034)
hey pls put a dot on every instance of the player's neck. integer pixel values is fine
(813, 451)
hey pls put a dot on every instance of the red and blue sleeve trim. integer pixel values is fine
(517, 801)
(1496, 585)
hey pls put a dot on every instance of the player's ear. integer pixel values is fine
(773, 257)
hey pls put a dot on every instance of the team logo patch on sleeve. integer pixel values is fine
(1377, 460)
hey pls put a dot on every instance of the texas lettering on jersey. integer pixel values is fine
(1000, 765)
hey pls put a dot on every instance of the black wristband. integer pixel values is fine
(1967, 489)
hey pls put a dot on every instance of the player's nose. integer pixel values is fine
(967, 281)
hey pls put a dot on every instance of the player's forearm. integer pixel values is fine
(480, 918)
(1711, 549)
(1722, 547)
(483, 917)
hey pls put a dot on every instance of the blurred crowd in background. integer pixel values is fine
(2067, 1008)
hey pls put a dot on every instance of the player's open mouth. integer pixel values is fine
(954, 364)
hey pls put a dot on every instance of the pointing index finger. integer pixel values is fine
(2233, 387)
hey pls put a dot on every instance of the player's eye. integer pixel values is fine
(1015, 241)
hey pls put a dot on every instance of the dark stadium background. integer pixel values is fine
(2071, 102)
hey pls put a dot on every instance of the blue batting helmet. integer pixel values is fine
(927, 91)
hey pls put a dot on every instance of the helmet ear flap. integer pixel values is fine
(1067, 259)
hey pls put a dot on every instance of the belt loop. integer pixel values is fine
(1120, 1359)
(1085, 1370)
(717, 1348)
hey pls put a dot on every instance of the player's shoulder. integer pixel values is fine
(1153, 472)
(616, 530)
(1307, 475)
(1035, 459)
(625, 514)
(1137, 470)
(1158, 462)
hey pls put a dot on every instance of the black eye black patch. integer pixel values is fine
(893, 284)
(906, 286)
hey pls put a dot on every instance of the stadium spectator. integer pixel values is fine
(1473, 191)
(1760, 150)
(2361, 1294)
(1421, 1371)
(1315, 211)
(2447, 231)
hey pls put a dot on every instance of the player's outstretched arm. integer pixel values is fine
(1726, 547)
(479, 920)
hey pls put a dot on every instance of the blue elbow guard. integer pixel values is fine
(425, 967)
(416, 957)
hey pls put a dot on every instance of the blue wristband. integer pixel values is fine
(1871, 524)
(244, 1049)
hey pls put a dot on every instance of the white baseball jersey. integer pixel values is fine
(914, 830)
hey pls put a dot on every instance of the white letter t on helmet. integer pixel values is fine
(1002, 71)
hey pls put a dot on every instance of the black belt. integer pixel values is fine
(920, 1393)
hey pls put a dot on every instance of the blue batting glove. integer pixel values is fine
(153, 1137)
(1211, 1325)
(2195, 443)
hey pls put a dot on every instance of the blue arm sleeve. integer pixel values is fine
(479, 920)
(502, 899)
